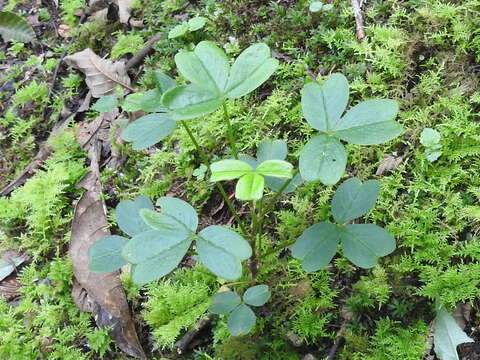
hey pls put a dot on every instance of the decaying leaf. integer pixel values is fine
(124, 10)
(389, 163)
(102, 76)
(447, 336)
(99, 9)
(107, 297)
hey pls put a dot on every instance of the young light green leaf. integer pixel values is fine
(271, 150)
(275, 168)
(323, 105)
(447, 336)
(370, 122)
(316, 246)
(323, 158)
(221, 250)
(178, 30)
(8, 266)
(106, 254)
(128, 217)
(164, 82)
(190, 101)
(224, 302)
(148, 130)
(149, 101)
(241, 320)
(257, 295)
(429, 137)
(363, 244)
(250, 187)
(250, 70)
(179, 210)
(229, 169)
(106, 103)
(207, 67)
(196, 23)
(15, 28)
(354, 199)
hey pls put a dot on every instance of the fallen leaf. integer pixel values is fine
(389, 163)
(124, 10)
(447, 336)
(102, 76)
(107, 296)
(64, 30)
(9, 265)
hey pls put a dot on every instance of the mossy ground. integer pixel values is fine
(424, 54)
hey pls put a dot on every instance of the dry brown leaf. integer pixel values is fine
(64, 30)
(99, 8)
(124, 10)
(389, 163)
(102, 75)
(107, 300)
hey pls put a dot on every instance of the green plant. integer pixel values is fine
(161, 239)
(191, 25)
(430, 138)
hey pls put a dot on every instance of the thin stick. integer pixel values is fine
(217, 184)
(182, 344)
(138, 57)
(333, 351)
(357, 8)
(230, 136)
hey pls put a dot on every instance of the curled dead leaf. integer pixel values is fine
(64, 30)
(102, 76)
(389, 163)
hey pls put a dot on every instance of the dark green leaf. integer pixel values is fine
(276, 183)
(323, 158)
(316, 246)
(148, 130)
(221, 250)
(106, 254)
(190, 101)
(106, 103)
(363, 244)
(15, 28)
(250, 70)
(271, 150)
(257, 295)
(224, 302)
(250, 187)
(179, 210)
(207, 67)
(370, 122)
(229, 169)
(128, 217)
(241, 320)
(354, 199)
(164, 82)
(323, 105)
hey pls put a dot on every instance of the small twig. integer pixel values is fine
(138, 57)
(357, 8)
(333, 351)
(182, 344)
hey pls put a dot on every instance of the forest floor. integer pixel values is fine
(423, 53)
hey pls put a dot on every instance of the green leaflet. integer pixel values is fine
(106, 254)
(224, 302)
(363, 244)
(241, 320)
(221, 250)
(106, 103)
(316, 246)
(15, 28)
(148, 130)
(257, 295)
(127, 215)
(323, 158)
(354, 199)
(229, 169)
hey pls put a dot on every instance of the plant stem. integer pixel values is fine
(282, 246)
(253, 241)
(219, 186)
(230, 136)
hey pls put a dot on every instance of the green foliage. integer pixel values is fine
(185, 27)
(430, 138)
(15, 28)
(127, 44)
(362, 244)
(175, 305)
(68, 7)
